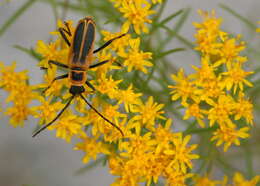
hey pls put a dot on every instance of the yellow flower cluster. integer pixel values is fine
(149, 150)
(238, 180)
(136, 12)
(20, 93)
(258, 29)
(215, 92)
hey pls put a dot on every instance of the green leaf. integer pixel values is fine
(163, 54)
(15, 16)
(237, 15)
(173, 33)
(201, 130)
(30, 52)
(53, 4)
(90, 166)
(170, 17)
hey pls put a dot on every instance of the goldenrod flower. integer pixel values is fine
(157, 1)
(18, 113)
(243, 108)
(258, 29)
(205, 180)
(47, 110)
(128, 97)
(230, 50)
(51, 52)
(235, 77)
(9, 79)
(52, 88)
(176, 178)
(108, 86)
(163, 136)
(135, 59)
(239, 180)
(221, 111)
(91, 147)
(208, 33)
(194, 110)
(119, 45)
(20, 93)
(183, 89)
(136, 13)
(104, 69)
(68, 126)
(229, 135)
(148, 113)
(179, 154)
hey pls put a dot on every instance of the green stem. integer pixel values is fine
(16, 15)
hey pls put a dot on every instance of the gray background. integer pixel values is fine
(50, 161)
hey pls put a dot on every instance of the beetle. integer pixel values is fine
(79, 61)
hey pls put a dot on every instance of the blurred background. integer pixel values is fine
(47, 160)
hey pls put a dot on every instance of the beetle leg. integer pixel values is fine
(63, 33)
(98, 64)
(90, 86)
(58, 64)
(108, 43)
(57, 78)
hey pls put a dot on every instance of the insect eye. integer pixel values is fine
(77, 76)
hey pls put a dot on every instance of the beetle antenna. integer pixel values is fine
(114, 125)
(60, 113)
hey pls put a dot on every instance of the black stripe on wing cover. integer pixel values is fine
(77, 42)
(88, 42)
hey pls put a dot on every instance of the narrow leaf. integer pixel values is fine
(163, 54)
(89, 166)
(240, 17)
(15, 16)
(30, 52)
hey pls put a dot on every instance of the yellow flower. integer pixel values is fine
(163, 136)
(100, 126)
(208, 33)
(108, 86)
(54, 88)
(221, 111)
(18, 113)
(258, 29)
(179, 154)
(67, 126)
(183, 88)
(91, 147)
(229, 51)
(105, 68)
(137, 144)
(205, 180)
(176, 178)
(239, 180)
(136, 59)
(205, 72)
(51, 52)
(47, 110)
(229, 135)
(235, 77)
(136, 13)
(194, 110)
(118, 45)
(128, 97)
(148, 113)
(9, 79)
(157, 1)
(23, 94)
(244, 108)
